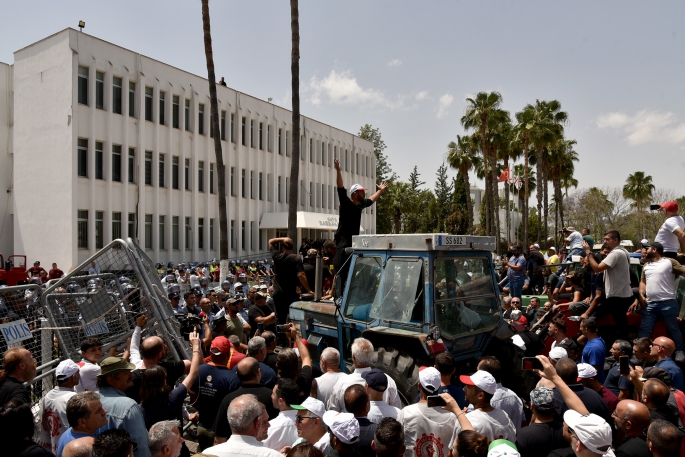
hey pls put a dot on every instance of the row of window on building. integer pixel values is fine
(83, 224)
(363, 165)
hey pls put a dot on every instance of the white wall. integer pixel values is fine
(6, 197)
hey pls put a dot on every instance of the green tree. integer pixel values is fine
(458, 220)
(295, 88)
(479, 109)
(414, 212)
(220, 168)
(462, 156)
(442, 197)
(639, 188)
(384, 173)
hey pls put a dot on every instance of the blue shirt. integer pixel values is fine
(520, 275)
(456, 393)
(213, 383)
(67, 437)
(125, 413)
(616, 383)
(594, 353)
(673, 371)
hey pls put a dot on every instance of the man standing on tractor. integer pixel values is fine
(350, 217)
(671, 234)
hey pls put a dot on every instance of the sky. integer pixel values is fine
(406, 67)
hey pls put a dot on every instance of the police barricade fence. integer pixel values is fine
(103, 300)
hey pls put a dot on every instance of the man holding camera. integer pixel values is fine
(289, 275)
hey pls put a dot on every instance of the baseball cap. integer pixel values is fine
(537, 245)
(516, 314)
(644, 242)
(656, 373)
(376, 379)
(113, 364)
(174, 296)
(518, 341)
(557, 353)
(355, 188)
(502, 448)
(344, 426)
(585, 371)
(312, 253)
(516, 247)
(429, 377)
(670, 206)
(591, 430)
(568, 229)
(551, 248)
(312, 405)
(261, 294)
(656, 245)
(542, 396)
(218, 321)
(481, 379)
(220, 346)
(66, 369)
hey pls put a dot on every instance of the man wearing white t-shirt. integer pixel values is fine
(330, 366)
(657, 295)
(427, 430)
(485, 419)
(53, 406)
(671, 234)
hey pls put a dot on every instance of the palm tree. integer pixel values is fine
(639, 188)
(561, 168)
(525, 124)
(529, 183)
(220, 168)
(462, 156)
(295, 87)
(478, 112)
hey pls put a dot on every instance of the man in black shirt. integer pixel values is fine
(537, 281)
(289, 275)
(544, 434)
(568, 372)
(249, 375)
(259, 313)
(350, 217)
(631, 419)
(19, 367)
(153, 351)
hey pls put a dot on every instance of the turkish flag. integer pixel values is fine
(504, 176)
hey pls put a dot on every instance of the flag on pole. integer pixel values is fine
(504, 177)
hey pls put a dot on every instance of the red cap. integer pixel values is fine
(220, 346)
(670, 206)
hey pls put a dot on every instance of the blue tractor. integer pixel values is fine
(413, 296)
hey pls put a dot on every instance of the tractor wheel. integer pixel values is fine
(402, 369)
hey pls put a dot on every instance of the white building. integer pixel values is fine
(99, 142)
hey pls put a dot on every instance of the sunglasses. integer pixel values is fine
(300, 419)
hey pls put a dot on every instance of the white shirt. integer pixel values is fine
(89, 376)
(494, 424)
(665, 235)
(510, 403)
(336, 401)
(325, 384)
(134, 350)
(93, 271)
(660, 280)
(324, 444)
(53, 414)
(380, 409)
(617, 277)
(427, 431)
(575, 240)
(241, 446)
(282, 430)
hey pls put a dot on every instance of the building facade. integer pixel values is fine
(105, 143)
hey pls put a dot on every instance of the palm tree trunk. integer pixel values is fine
(506, 196)
(295, 88)
(495, 194)
(560, 197)
(539, 151)
(545, 192)
(220, 168)
(488, 189)
(525, 192)
(469, 207)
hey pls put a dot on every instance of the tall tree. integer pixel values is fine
(414, 212)
(295, 88)
(458, 220)
(525, 123)
(639, 188)
(384, 173)
(462, 156)
(443, 196)
(561, 166)
(478, 111)
(220, 168)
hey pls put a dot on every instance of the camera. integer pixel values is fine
(189, 323)
(285, 328)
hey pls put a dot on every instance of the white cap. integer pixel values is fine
(591, 430)
(66, 369)
(355, 188)
(518, 341)
(585, 371)
(502, 448)
(429, 378)
(516, 314)
(312, 405)
(344, 426)
(558, 353)
(551, 248)
(537, 245)
(481, 379)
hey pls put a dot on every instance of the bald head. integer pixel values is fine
(633, 418)
(567, 370)
(666, 344)
(655, 393)
(81, 447)
(248, 370)
(151, 348)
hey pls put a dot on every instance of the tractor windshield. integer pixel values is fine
(465, 299)
(364, 282)
(401, 296)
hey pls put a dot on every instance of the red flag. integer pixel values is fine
(504, 176)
